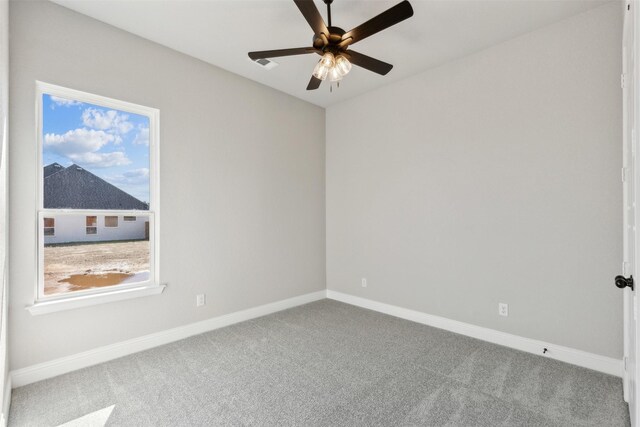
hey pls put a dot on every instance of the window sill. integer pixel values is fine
(46, 307)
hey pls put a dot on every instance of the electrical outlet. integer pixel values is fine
(503, 309)
(200, 300)
(364, 282)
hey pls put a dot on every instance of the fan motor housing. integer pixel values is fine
(336, 32)
(335, 37)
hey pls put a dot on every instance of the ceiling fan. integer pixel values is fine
(332, 43)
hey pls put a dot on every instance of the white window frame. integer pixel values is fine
(50, 303)
(87, 227)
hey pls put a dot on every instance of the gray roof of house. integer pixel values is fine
(52, 168)
(76, 188)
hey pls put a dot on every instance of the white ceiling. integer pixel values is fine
(221, 32)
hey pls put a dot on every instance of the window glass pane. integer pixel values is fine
(49, 226)
(78, 257)
(92, 221)
(93, 157)
(110, 221)
(129, 218)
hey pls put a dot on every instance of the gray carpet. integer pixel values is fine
(326, 364)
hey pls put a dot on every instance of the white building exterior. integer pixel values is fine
(75, 188)
(73, 228)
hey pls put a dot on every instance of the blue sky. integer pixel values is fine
(109, 143)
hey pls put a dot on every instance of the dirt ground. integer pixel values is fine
(73, 267)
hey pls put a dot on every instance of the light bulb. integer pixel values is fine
(326, 63)
(334, 74)
(343, 65)
(328, 59)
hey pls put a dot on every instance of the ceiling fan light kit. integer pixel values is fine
(335, 75)
(326, 63)
(343, 65)
(332, 43)
(333, 67)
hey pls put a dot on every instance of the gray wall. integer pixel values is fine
(242, 182)
(495, 178)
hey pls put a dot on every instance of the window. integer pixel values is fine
(49, 227)
(97, 162)
(110, 221)
(92, 224)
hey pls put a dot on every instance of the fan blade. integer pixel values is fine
(368, 62)
(397, 13)
(312, 15)
(314, 83)
(281, 52)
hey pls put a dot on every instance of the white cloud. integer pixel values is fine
(137, 173)
(63, 102)
(110, 121)
(101, 160)
(77, 141)
(143, 135)
(134, 182)
(82, 145)
(133, 176)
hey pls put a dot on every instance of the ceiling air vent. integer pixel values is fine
(265, 63)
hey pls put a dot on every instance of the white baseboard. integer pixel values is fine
(581, 358)
(41, 371)
(56, 367)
